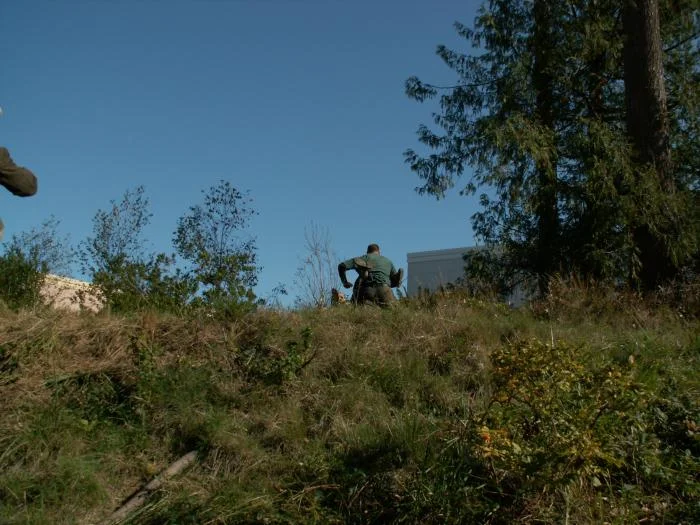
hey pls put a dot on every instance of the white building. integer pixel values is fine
(428, 271)
(70, 294)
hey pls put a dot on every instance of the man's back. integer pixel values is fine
(376, 275)
(381, 268)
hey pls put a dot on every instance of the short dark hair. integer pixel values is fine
(372, 248)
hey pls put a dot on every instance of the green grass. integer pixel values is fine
(449, 410)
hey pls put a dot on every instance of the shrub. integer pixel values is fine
(21, 277)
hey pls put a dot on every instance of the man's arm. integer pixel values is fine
(395, 277)
(342, 268)
(17, 180)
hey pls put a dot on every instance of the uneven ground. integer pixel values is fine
(579, 410)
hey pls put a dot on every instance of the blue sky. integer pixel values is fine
(299, 102)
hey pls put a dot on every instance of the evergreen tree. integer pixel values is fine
(540, 113)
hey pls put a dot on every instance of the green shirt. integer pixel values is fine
(381, 268)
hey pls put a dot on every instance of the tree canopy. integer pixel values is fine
(544, 119)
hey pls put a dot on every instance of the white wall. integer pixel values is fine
(70, 294)
(430, 270)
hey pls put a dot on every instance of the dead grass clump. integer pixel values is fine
(574, 300)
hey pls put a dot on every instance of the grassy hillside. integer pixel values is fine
(450, 410)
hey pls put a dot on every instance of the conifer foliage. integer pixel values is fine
(579, 121)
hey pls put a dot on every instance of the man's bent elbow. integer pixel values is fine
(23, 184)
(29, 185)
(19, 181)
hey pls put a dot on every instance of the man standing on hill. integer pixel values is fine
(377, 276)
(20, 181)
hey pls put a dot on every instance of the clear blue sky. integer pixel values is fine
(301, 102)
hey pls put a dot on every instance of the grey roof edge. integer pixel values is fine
(436, 255)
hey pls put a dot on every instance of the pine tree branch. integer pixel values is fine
(684, 41)
(478, 84)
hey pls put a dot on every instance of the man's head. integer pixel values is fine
(373, 248)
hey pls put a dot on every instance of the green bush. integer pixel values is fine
(130, 286)
(561, 420)
(21, 277)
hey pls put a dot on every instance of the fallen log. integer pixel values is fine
(138, 499)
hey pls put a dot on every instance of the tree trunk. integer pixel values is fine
(546, 204)
(645, 91)
(647, 121)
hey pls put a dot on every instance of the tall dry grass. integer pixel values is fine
(343, 415)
